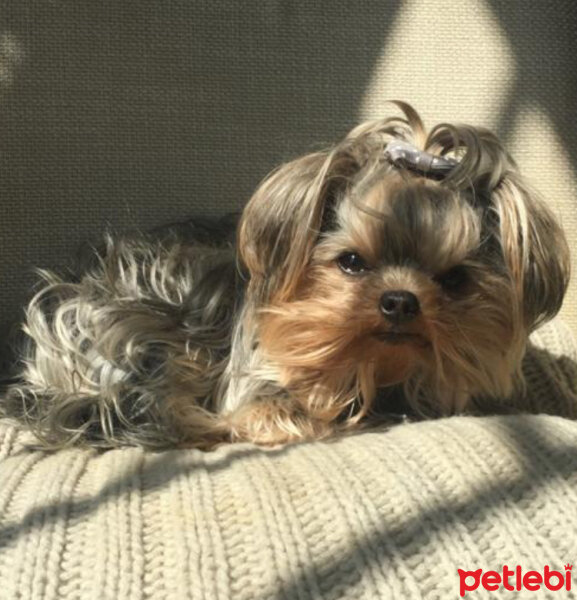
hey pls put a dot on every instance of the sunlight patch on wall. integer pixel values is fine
(448, 73)
(533, 143)
(11, 57)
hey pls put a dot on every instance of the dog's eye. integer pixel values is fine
(453, 280)
(352, 263)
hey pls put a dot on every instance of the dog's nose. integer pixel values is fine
(399, 306)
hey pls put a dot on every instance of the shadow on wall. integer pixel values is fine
(130, 114)
(541, 36)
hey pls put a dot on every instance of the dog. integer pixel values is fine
(397, 260)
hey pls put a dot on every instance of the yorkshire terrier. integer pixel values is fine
(395, 260)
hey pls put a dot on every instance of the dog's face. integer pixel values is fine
(368, 276)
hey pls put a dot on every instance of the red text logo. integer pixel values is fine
(514, 580)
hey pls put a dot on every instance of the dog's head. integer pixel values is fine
(368, 271)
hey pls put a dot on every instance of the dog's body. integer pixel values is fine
(352, 272)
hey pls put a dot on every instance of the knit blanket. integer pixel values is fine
(389, 513)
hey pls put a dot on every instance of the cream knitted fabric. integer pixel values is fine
(385, 514)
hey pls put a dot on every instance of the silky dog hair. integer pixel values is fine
(285, 333)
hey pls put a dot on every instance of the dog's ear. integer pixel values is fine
(533, 244)
(534, 247)
(282, 221)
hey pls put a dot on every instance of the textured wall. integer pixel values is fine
(133, 113)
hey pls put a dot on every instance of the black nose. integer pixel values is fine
(399, 306)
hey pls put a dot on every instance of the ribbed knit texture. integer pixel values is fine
(384, 514)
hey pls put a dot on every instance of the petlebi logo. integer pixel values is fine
(514, 580)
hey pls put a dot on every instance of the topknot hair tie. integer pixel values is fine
(403, 154)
